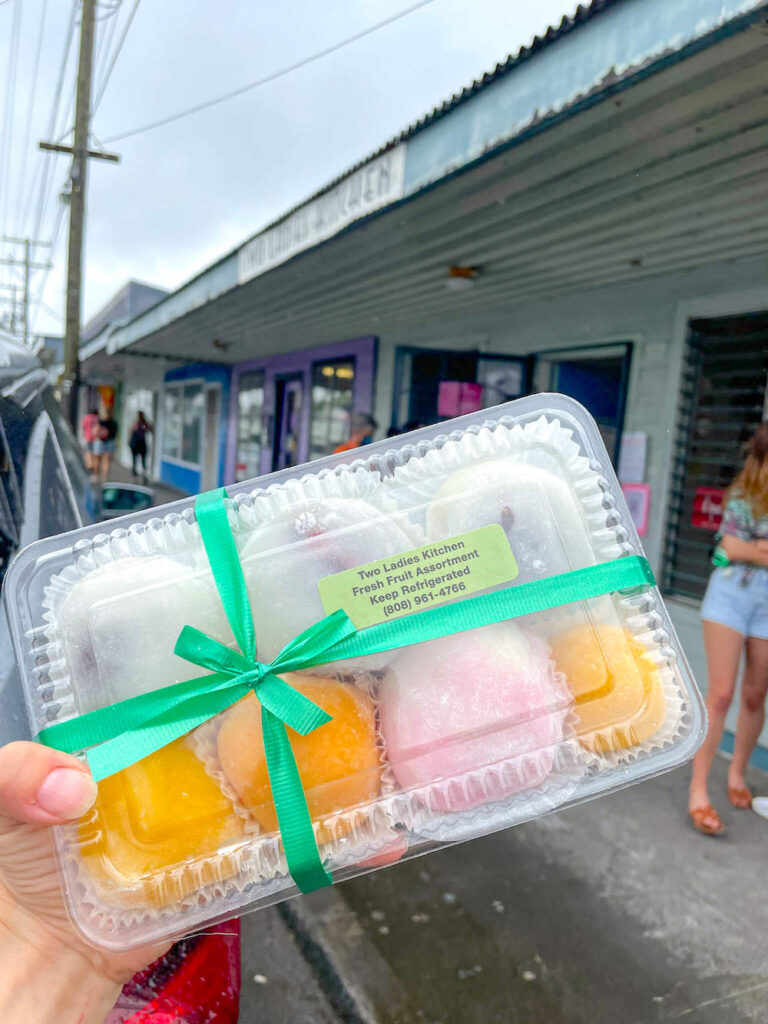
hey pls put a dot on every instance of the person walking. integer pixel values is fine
(361, 428)
(89, 430)
(138, 444)
(104, 445)
(735, 624)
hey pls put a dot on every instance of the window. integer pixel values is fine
(332, 393)
(184, 406)
(172, 422)
(723, 401)
(250, 437)
(417, 382)
(192, 423)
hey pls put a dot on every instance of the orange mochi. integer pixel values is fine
(338, 762)
(151, 822)
(616, 686)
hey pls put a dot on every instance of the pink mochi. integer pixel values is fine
(452, 709)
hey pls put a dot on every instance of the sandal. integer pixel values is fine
(740, 797)
(697, 816)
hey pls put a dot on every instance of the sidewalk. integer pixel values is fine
(614, 912)
(162, 492)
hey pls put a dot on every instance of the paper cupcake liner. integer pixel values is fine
(565, 764)
(500, 788)
(250, 868)
(637, 615)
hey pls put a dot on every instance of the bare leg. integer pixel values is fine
(723, 647)
(106, 460)
(751, 711)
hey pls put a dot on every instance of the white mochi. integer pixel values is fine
(119, 625)
(538, 511)
(285, 559)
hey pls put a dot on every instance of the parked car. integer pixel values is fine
(45, 489)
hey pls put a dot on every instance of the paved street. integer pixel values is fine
(615, 911)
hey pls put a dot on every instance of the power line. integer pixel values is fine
(103, 43)
(100, 89)
(46, 165)
(105, 31)
(54, 242)
(271, 78)
(10, 99)
(35, 69)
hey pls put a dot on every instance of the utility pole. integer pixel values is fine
(78, 177)
(28, 266)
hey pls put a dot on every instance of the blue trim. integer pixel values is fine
(181, 477)
(759, 758)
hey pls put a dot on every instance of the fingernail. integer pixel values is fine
(66, 793)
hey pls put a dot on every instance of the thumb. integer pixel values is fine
(41, 786)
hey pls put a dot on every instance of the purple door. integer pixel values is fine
(286, 436)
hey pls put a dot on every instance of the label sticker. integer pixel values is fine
(421, 578)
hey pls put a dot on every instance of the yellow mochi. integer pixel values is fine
(159, 814)
(616, 686)
(339, 762)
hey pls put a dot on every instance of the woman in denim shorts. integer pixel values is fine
(735, 622)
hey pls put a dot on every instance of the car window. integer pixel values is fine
(125, 499)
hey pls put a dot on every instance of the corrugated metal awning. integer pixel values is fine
(669, 174)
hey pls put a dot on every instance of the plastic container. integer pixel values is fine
(429, 744)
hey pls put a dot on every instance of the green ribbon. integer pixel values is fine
(121, 734)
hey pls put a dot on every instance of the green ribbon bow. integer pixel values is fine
(121, 734)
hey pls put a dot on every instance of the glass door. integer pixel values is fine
(210, 474)
(596, 377)
(250, 425)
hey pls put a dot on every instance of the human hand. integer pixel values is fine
(48, 972)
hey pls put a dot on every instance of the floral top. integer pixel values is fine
(738, 521)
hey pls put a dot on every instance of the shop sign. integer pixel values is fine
(378, 183)
(708, 508)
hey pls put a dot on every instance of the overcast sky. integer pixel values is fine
(186, 193)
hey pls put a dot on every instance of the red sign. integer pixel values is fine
(708, 508)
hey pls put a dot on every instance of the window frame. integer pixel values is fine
(336, 361)
(182, 385)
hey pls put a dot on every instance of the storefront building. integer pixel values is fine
(289, 409)
(590, 218)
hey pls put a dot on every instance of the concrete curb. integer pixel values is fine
(354, 977)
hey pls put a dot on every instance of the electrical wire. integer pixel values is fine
(38, 299)
(42, 203)
(8, 112)
(270, 78)
(33, 93)
(105, 32)
(116, 53)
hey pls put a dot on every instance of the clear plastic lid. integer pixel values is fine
(428, 744)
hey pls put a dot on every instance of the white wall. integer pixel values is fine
(653, 314)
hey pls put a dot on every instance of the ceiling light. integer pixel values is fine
(461, 278)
